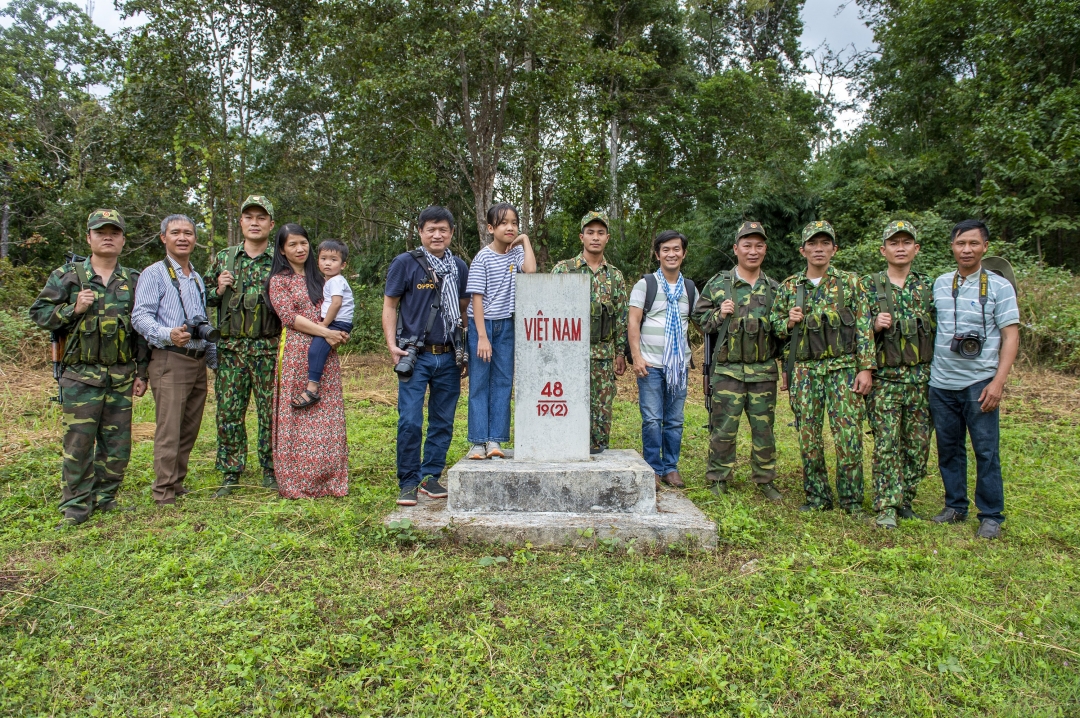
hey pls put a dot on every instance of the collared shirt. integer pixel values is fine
(819, 298)
(949, 370)
(406, 278)
(608, 286)
(915, 297)
(707, 316)
(157, 303)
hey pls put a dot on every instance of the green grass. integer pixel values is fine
(261, 606)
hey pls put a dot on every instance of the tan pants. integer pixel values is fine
(179, 386)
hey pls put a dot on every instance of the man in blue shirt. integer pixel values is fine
(978, 336)
(422, 307)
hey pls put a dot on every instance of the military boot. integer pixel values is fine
(270, 481)
(886, 519)
(769, 491)
(231, 482)
(718, 488)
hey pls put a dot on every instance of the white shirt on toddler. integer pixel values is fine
(338, 286)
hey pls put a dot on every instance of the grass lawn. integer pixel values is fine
(258, 605)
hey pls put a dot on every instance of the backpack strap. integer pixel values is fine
(421, 258)
(650, 294)
(691, 293)
(883, 288)
(230, 267)
(796, 334)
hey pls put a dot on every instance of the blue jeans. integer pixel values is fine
(661, 421)
(439, 373)
(956, 413)
(320, 349)
(490, 382)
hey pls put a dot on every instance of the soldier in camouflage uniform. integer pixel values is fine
(904, 321)
(247, 351)
(735, 305)
(104, 364)
(610, 308)
(831, 369)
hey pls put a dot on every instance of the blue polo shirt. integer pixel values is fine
(949, 370)
(407, 278)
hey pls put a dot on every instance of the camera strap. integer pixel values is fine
(418, 255)
(984, 286)
(176, 284)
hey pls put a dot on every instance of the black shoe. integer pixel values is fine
(433, 489)
(949, 516)
(227, 486)
(407, 497)
(69, 521)
(113, 506)
(270, 482)
(719, 488)
(906, 512)
(989, 529)
(769, 491)
(597, 450)
(811, 507)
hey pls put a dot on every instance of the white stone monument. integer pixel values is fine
(550, 491)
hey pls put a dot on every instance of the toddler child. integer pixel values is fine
(337, 314)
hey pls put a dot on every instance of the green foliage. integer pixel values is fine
(1050, 316)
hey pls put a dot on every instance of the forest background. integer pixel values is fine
(686, 115)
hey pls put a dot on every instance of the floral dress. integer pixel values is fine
(311, 456)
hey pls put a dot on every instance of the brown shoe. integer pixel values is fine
(674, 480)
(180, 491)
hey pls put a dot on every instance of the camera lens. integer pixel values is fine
(970, 348)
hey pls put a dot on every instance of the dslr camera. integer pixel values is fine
(200, 328)
(407, 363)
(967, 345)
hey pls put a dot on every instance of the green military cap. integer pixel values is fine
(258, 200)
(101, 217)
(749, 228)
(899, 227)
(595, 217)
(818, 227)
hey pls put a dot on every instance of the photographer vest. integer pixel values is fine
(103, 334)
(828, 333)
(910, 339)
(742, 338)
(245, 310)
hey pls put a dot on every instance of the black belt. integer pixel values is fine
(190, 353)
(438, 348)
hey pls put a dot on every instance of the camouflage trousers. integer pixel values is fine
(601, 401)
(239, 376)
(899, 416)
(730, 398)
(97, 443)
(812, 396)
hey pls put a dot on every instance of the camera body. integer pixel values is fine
(968, 345)
(407, 363)
(201, 328)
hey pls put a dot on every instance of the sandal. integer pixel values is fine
(305, 400)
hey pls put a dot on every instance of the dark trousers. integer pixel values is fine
(957, 414)
(441, 375)
(319, 349)
(179, 386)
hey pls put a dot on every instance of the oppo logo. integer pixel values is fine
(426, 285)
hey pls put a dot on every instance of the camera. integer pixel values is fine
(967, 345)
(407, 363)
(201, 328)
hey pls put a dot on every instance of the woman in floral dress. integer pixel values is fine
(311, 457)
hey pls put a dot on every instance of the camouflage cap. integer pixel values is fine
(101, 217)
(815, 228)
(749, 228)
(595, 217)
(899, 227)
(258, 200)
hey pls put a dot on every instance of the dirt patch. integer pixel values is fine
(143, 431)
(1045, 392)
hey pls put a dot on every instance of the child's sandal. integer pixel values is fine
(305, 400)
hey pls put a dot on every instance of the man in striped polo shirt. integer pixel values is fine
(978, 336)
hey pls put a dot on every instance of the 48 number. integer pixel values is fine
(552, 389)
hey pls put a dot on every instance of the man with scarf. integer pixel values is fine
(661, 355)
(425, 280)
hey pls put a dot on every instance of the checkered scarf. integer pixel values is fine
(446, 270)
(676, 349)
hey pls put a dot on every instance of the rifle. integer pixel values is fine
(58, 343)
(796, 335)
(706, 370)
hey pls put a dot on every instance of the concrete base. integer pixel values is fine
(615, 481)
(676, 521)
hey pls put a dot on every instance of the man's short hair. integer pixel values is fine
(969, 224)
(176, 218)
(435, 213)
(333, 245)
(666, 236)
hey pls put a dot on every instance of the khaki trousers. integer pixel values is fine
(179, 387)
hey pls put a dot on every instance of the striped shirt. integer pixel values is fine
(653, 330)
(949, 370)
(157, 308)
(492, 275)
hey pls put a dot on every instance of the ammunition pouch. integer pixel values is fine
(828, 334)
(908, 342)
(750, 341)
(601, 323)
(100, 339)
(247, 315)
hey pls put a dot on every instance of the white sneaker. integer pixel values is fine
(478, 451)
(493, 449)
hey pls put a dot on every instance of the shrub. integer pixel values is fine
(1050, 317)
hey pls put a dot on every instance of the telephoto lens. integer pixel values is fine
(407, 363)
(200, 328)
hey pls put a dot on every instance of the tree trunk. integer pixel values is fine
(614, 168)
(5, 224)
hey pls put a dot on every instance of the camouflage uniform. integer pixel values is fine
(103, 357)
(247, 354)
(898, 406)
(608, 288)
(739, 386)
(827, 384)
